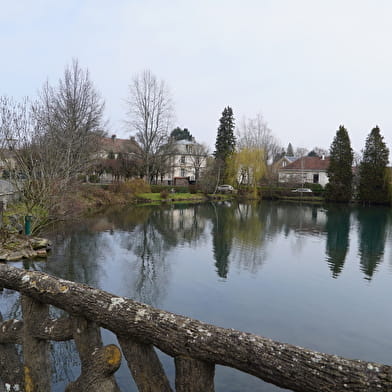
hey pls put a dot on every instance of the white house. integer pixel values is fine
(306, 169)
(186, 163)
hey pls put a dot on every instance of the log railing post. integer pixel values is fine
(145, 366)
(193, 375)
(98, 364)
(11, 373)
(37, 369)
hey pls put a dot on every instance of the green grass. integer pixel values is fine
(170, 197)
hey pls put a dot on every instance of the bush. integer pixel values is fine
(164, 194)
(160, 188)
(94, 178)
(193, 188)
(132, 186)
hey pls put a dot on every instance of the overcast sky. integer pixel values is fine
(306, 65)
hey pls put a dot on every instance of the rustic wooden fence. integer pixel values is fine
(195, 346)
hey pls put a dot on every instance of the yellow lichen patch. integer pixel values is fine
(28, 381)
(113, 355)
(63, 289)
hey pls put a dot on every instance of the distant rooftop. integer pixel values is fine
(308, 163)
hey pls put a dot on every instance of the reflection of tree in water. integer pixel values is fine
(165, 228)
(249, 235)
(242, 229)
(372, 235)
(338, 229)
(222, 235)
(151, 266)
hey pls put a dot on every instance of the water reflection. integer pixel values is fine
(372, 227)
(338, 230)
(241, 234)
(262, 267)
(222, 236)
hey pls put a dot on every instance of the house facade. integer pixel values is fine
(305, 169)
(186, 163)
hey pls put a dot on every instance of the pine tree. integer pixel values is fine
(340, 174)
(373, 185)
(181, 134)
(225, 139)
(290, 151)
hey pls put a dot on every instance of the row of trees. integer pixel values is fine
(371, 179)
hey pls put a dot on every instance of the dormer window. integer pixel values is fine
(182, 160)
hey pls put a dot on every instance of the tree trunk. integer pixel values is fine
(284, 365)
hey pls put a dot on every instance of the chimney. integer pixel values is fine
(323, 157)
(113, 137)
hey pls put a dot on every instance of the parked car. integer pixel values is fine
(225, 188)
(302, 190)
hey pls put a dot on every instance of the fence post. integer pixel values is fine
(193, 375)
(37, 369)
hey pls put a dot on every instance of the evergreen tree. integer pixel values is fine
(225, 139)
(181, 134)
(373, 185)
(340, 174)
(290, 150)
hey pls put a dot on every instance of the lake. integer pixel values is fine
(315, 276)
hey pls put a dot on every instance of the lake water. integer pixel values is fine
(317, 277)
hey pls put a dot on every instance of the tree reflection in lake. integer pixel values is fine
(222, 236)
(244, 265)
(338, 229)
(372, 227)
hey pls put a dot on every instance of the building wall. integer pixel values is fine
(303, 176)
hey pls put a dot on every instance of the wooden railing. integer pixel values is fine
(195, 346)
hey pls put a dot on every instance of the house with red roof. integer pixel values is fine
(305, 169)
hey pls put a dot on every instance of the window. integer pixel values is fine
(188, 148)
(315, 178)
(182, 172)
(182, 160)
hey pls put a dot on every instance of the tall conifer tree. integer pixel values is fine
(373, 185)
(340, 173)
(225, 139)
(290, 151)
(225, 142)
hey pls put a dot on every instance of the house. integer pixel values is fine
(306, 169)
(187, 161)
(116, 158)
(274, 168)
(114, 148)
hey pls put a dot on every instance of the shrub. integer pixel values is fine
(164, 194)
(94, 178)
(132, 186)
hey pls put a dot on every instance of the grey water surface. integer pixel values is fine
(315, 276)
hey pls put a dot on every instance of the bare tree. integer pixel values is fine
(198, 158)
(150, 115)
(254, 133)
(301, 152)
(71, 115)
(45, 145)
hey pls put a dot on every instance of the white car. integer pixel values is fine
(302, 190)
(225, 188)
